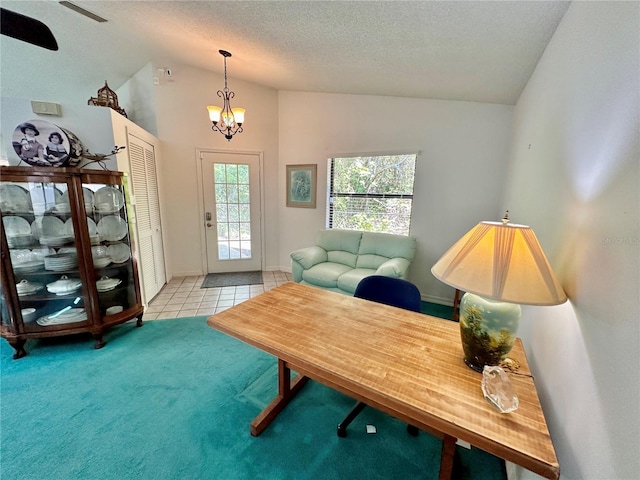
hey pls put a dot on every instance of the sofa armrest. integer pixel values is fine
(394, 267)
(309, 256)
(305, 258)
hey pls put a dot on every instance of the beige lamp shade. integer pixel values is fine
(501, 261)
(238, 114)
(214, 113)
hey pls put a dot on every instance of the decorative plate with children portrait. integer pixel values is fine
(44, 144)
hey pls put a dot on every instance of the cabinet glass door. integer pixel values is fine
(42, 246)
(111, 249)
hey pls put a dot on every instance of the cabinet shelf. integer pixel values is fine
(45, 210)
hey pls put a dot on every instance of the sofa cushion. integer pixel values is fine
(370, 261)
(345, 240)
(348, 281)
(385, 245)
(345, 258)
(325, 274)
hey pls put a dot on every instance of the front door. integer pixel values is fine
(231, 193)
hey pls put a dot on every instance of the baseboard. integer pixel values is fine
(278, 269)
(286, 269)
(188, 274)
(439, 300)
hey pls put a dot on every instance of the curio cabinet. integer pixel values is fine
(68, 259)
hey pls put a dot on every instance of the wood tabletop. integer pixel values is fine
(405, 363)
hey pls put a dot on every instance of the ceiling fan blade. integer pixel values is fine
(27, 29)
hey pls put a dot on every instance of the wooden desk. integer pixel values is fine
(404, 363)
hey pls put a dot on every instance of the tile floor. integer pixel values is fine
(183, 297)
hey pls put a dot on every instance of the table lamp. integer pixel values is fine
(500, 266)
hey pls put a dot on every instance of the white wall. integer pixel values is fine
(184, 127)
(460, 170)
(574, 178)
(137, 97)
(91, 124)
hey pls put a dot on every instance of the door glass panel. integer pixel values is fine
(233, 210)
(220, 173)
(221, 214)
(243, 193)
(244, 213)
(221, 192)
(232, 193)
(232, 174)
(243, 175)
(245, 231)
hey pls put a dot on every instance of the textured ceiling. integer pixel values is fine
(476, 51)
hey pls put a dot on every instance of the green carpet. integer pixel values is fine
(174, 399)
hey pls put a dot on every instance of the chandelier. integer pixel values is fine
(226, 120)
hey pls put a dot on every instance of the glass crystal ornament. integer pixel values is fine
(498, 389)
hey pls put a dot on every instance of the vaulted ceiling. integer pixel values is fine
(482, 51)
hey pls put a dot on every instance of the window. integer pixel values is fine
(373, 193)
(233, 214)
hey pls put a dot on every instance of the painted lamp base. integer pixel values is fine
(487, 329)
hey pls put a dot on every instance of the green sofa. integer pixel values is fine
(341, 258)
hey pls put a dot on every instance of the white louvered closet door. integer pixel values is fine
(144, 183)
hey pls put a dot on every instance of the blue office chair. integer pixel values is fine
(390, 291)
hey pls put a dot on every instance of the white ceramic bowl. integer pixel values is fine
(64, 285)
(101, 262)
(28, 315)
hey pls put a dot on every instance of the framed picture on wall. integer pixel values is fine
(301, 185)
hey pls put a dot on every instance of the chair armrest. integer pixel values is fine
(394, 267)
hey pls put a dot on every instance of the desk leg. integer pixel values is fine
(286, 391)
(446, 460)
